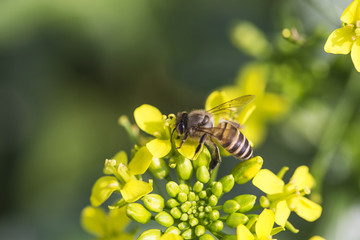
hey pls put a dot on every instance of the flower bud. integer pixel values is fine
(235, 219)
(199, 230)
(246, 202)
(138, 213)
(214, 215)
(154, 202)
(182, 197)
(206, 237)
(231, 206)
(172, 189)
(217, 189)
(246, 170)
(184, 169)
(172, 203)
(216, 226)
(175, 212)
(202, 194)
(188, 234)
(202, 174)
(151, 234)
(173, 230)
(184, 217)
(191, 196)
(264, 202)
(185, 206)
(198, 187)
(159, 168)
(164, 219)
(193, 222)
(212, 201)
(184, 188)
(228, 182)
(183, 226)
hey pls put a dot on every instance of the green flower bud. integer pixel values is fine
(246, 202)
(216, 226)
(228, 182)
(264, 202)
(201, 214)
(184, 169)
(235, 219)
(191, 196)
(159, 168)
(212, 201)
(202, 194)
(138, 213)
(246, 170)
(173, 230)
(199, 230)
(193, 222)
(182, 197)
(188, 234)
(184, 217)
(164, 219)
(202, 174)
(206, 237)
(151, 234)
(172, 203)
(183, 226)
(229, 237)
(198, 187)
(154, 202)
(185, 206)
(231, 206)
(175, 212)
(217, 189)
(203, 159)
(172, 189)
(184, 188)
(208, 209)
(205, 221)
(214, 215)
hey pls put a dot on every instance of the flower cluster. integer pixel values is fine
(190, 208)
(347, 38)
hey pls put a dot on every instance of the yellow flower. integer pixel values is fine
(105, 226)
(269, 106)
(263, 227)
(285, 198)
(125, 180)
(347, 39)
(317, 238)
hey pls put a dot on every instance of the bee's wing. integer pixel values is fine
(234, 106)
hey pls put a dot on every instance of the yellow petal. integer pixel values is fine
(121, 157)
(93, 220)
(268, 182)
(306, 209)
(141, 161)
(246, 113)
(302, 178)
(159, 148)
(188, 148)
(265, 224)
(171, 236)
(282, 213)
(316, 238)
(102, 190)
(252, 80)
(215, 99)
(355, 54)
(352, 13)
(340, 41)
(274, 106)
(135, 189)
(117, 220)
(150, 120)
(243, 233)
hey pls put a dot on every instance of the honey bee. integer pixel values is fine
(200, 125)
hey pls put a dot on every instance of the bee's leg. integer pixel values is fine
(183, 139)
(215, 157)
(201, 143)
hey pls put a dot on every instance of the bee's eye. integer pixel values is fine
(181, 128)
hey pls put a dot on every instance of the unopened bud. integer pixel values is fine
(188, 234)
(172, 203)
(184, 188)
(185, 206)
(164, 219)
(172, 188)
(235, 219)
(198, 187)
(212, 201)
(154, 202)
(246, 202)
(202, 174)
(216, 226)
(264, 202)
(228, 182)
(175, 212)
(199, 230)
(151, 234)
(138, 213)
(231, 206)
(246, 170)
(173, 230)
(159, 168)
(214, 215)
(184, 169)
(206, 237)
(182, 197)
(183, 226)
(193, 222)
(217, 189)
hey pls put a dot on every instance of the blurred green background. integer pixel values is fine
(69, 69)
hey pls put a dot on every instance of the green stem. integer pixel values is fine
(335, 129)
(214, 174)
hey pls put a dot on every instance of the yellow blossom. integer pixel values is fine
(347, 38)
(285, 198)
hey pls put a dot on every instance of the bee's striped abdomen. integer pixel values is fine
(233, 140)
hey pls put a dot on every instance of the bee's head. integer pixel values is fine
(181, 122)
